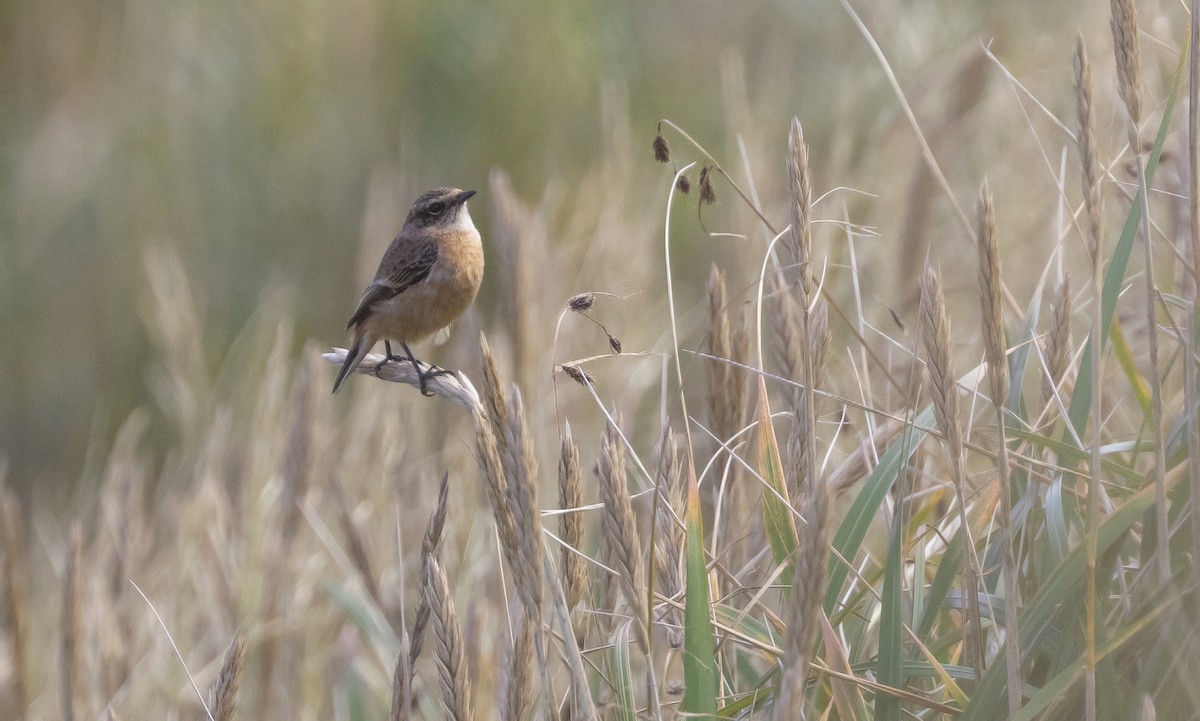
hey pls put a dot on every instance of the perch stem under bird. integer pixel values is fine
(427, 278)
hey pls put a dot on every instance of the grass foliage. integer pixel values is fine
(766, 496)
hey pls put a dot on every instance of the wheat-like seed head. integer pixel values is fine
(526, 525)
(570, 525)
(620, 528)
(1125, 47)
(1058, 342)
(448, 645)
(989, 297)
(223, 695)
(1092, 197)
(401, 682)
(722, 411)
(935, 341)
(800, 191)
(515, 692)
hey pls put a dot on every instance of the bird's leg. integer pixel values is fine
(422, 376)
(387, 346)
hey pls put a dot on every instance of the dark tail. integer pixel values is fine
(354, 356)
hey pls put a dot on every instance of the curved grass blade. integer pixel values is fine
(850, 535)
(699, 652)
(778, 521)
(1062, 586)
(1081, 399)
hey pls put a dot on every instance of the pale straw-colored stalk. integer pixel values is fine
(449, 651)
(70, 653)
(620, 530)
(935, 342)
(1058, 342)
(570, 525)
(13, 594)
(1129, 84)
(997, 368)
(222, 698)
(802, 613)
(1093, 205)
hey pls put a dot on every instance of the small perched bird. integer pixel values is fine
(427, 278)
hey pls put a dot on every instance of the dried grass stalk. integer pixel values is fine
(1058, 342)
(935, 343)
(521, 470)
(570, 525)
(800, 192)
(1092, 196)
(1125, 46)
(620, 529)
(990, 298)
(70, 653)
(448, 646)
(726, 391)
(429, 550)
(669, 535)
(452, 386)
(222, 697)
(401, 687)
(515, 693)
(997, 362)
(356, 545)
(802, 614)
(13, 577)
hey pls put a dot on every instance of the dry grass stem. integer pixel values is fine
(515, 693)
(800, 205)
(570, 525)
(70, 651)
(449, 650)
(521, 502)
(1058, 341)
(430, 546)
(1093, 196)
(454, 386)
(997, 368)
(222, 698)
(669, 535)
(802, 613)
(1129, 67)
(935, 344)
(620, 529)
(401, 687)
(991, 302)
(1129, 83)
(726, 392)
(13, 575)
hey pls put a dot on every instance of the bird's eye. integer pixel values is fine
(437, 208)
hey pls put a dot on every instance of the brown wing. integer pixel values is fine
(404, 265)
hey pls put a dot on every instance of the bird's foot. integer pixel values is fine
(432, 372)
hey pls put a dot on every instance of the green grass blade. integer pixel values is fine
(1062, 587)
(948, 568)
(699, 657)
(623, 676)
(1081, 399)
(778, 521)
(891, 662)
(850, 535)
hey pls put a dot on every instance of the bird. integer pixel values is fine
(427, 278)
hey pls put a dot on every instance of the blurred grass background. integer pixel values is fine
(192, 196)
(249, 137)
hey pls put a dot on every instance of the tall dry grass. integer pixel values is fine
(779, 493)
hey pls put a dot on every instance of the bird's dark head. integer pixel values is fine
(440, 208)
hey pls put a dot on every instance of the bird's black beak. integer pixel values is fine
(463, 196)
